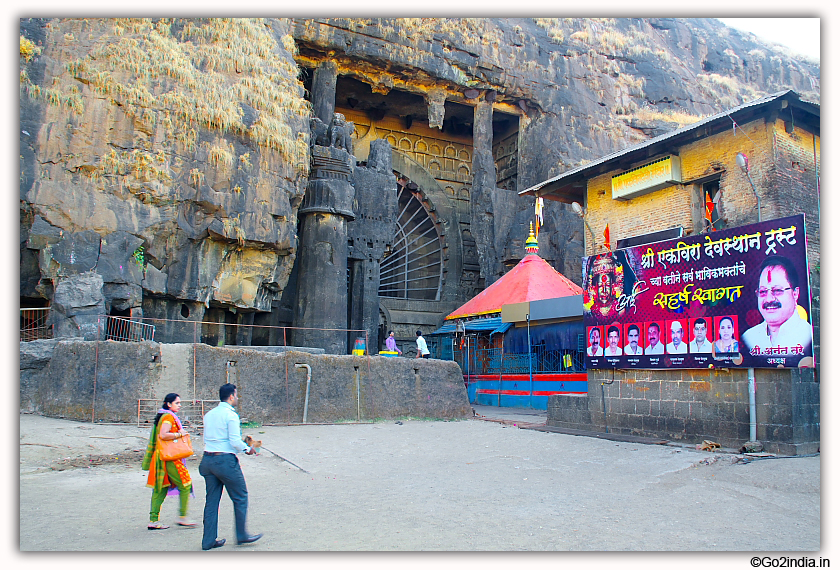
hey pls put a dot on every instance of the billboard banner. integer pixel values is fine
(733, 298)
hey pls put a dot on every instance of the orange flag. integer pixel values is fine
(607, 238)
(710, 207)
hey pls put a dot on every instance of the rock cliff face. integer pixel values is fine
(588, 87)
(166, 156)
(170, 156)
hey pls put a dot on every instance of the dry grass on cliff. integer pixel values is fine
(647, 115)
(188, 76)
(728, 90)
(601, 34)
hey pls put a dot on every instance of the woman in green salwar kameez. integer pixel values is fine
(167, 477)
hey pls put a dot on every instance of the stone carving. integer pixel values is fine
(436, 99)
(341, 132)
(317, 133)
(337, 134)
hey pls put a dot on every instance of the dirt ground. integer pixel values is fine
(467, 485)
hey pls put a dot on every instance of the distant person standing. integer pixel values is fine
(391, 343)
(220, 469)
(422, 349)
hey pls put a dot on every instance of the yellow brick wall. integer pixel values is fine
(671, 206)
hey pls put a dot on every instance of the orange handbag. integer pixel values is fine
(170, 450)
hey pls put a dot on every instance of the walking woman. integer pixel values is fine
(167, 477)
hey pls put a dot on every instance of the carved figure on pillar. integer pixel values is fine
(341, 132)
(317, 133)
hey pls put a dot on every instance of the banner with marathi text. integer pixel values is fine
(733, 298)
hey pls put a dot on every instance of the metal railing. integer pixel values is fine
(34, 324)
(127, 330)
(191, 413)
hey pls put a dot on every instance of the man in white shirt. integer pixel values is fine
(700, 342)
(422, 349)
(654, 346)
(783, 328)
(676, 346)
(613, 336)
(220, 469)
(633, 348)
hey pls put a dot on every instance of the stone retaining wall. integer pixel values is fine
(57, 380)
(695, 405)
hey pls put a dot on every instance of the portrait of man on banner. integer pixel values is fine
(677, 344)
(701, 335)
(613, 347)
(595, 348)
(634, 336)
(654, 339)
(785, 329)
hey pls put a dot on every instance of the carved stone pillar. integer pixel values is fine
(369, 235)
(436, 99)
(323, 90)
(244, 333)
(482, 223)
(321, 301)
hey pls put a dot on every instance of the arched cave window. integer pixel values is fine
(413, 268)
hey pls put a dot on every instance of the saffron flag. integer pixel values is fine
(538, 213)
(710, 208)
(607, 238)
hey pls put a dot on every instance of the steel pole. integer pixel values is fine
(530, 368)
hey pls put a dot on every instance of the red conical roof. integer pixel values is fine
(533, 279)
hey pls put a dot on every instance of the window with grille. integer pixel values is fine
(414, 266)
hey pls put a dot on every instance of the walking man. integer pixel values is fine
(220, 469)
(422, 349)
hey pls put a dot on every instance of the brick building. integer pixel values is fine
(780, 136)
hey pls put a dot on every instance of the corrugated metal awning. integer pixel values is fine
(492, 325)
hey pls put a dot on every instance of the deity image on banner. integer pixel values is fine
(607, 277)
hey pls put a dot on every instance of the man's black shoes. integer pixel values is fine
(249, 539)
(219, 542)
